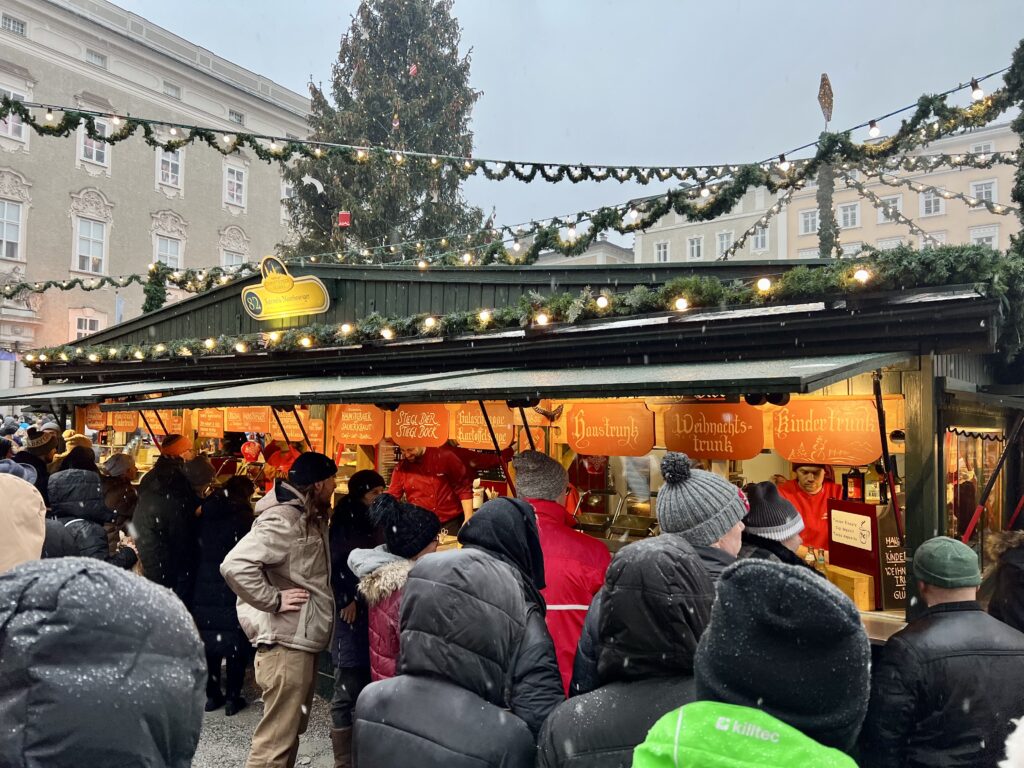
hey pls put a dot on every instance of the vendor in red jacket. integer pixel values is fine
(435, 479)
(809, 492)
(574, 563)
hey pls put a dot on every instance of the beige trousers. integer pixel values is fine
(287, 679)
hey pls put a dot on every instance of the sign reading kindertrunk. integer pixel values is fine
(843, 432)
(610, 429)
(358, 424)
(715, 430)
(420, 426)
(469, 428)
(281, 295)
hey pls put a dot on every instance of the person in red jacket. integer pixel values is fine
(410, 532)
(435, 479)
(809, 492)
(574, 563)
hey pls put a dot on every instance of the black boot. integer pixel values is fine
(234, 705)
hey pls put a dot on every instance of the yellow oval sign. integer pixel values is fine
(282, 295)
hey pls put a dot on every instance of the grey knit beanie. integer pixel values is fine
(538, 476)
(699, 506)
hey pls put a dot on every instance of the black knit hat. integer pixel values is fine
(408, 529)
(310, 468)
(364, 481)
(786, 641)
(771, 516)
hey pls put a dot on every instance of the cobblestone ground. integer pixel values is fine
(224, 742)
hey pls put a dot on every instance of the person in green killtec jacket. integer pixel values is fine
(781, 675)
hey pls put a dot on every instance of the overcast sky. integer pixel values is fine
(654, 82)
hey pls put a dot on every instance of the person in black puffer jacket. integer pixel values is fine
(100, 669)
(1007, 603)
(474, 637)
(76, 502)
(165, 526)
(655, 605)
(226, 518)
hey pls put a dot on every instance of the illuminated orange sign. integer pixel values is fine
(124, 421)
(95, 418)
(423, 426)
(843, 432)
(253, 418)
(210, 422)
(172, 424)
(610, 429)
(715, 430)
(358, 424)
(469, 428)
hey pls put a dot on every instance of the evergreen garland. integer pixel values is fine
(828, 228)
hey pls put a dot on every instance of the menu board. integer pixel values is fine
(469, 428)
(171, 424)
(610, 429)
(251, 418)
(315, 432)
(424, 426)
(843, 432)
(715, 430)
(124, 421)
(358, 424)
(210, 422)
(95, 418)
(853, 539)
(892, 561)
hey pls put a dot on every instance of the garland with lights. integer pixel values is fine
(991, 272)
(762, 222)
(891, 211)
(974, 202)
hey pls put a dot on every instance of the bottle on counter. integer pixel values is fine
(853, 485)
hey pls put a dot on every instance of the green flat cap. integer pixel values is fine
(946, 563)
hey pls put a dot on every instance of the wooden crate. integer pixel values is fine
(858, 586)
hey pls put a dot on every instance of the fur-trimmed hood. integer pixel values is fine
(380, 573)
(997, 544)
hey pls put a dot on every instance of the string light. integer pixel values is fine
(112, 352)
(273, 145)
(541, 319)
(681, 304)
(274, 337)
(49, 115)
(429, 322)
(704, 191)
(63, 356)
(159, 348)
(467, 257)
(434, 161)
(317, 151)
(174, 131)
(94, 358)
(399, 158)
(387, 333)
(421, 264)
(602, 302)
(516, 246)
(346, 329)
(484, 316)
(361, 155)
(572, 232)
(139, 355)
(633, 214)
(227, 138)
(44, 358)
(306, 342)
(976, 91)
(764, 284)
(31, 358)
(873, 130)
(209, 343)
(783, 163)
(241, 347)
(115, 120)
(862, 276)
(185, 352)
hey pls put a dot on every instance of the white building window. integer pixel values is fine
(86, 326)
(932, 204)
(849, 215)
(893, 202)
(889, 243)
(938, 237)
(96, 58)
(809, 221)
(236, 117)
(234, 186)
(987, 236)
(92, 241)
(12, 24)
(95, 150)
(168, 251)
(661, 252)
(724, 241)
(172, 90)
(695, 248)
(982, 149)
(233, 259)
(807, 253)
(170, 168)
(852, 249)
(10, 230)
(12, 126)
(287, 193)
(759, 241)
(984, 190)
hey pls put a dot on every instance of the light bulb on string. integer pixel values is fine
(681, 304)
(516, 246)
(976, 90)
(422, 264)
(873, 130)
(541, 318)
(783, 163)
(346, 329)
(317, 151)
(862, 276)
(305, 342)
(174, 131)
(633, 214)
(360, 155)
(467, 257)
(209, 343)
(273, 145)
(115, 120)
(159, 348)
(764, 284)
(227, 138)
(572, 232)
(602, 302)
(484, 316)
(241, 347)
(49, 115)
(429, 322)
(93, 358)
(139, 355)
(185, 352)
(274, 336)
(704, 191)
(387, 333)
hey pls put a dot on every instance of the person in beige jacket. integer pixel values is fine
(281, 573)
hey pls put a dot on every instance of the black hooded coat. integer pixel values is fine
(655, 605)
(76, 502)
(84, 685)
(473, 637)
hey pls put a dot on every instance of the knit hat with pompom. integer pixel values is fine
(697, 505)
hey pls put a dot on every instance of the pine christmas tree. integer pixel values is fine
(399, 83)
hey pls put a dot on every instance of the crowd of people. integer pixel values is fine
(711, 644)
